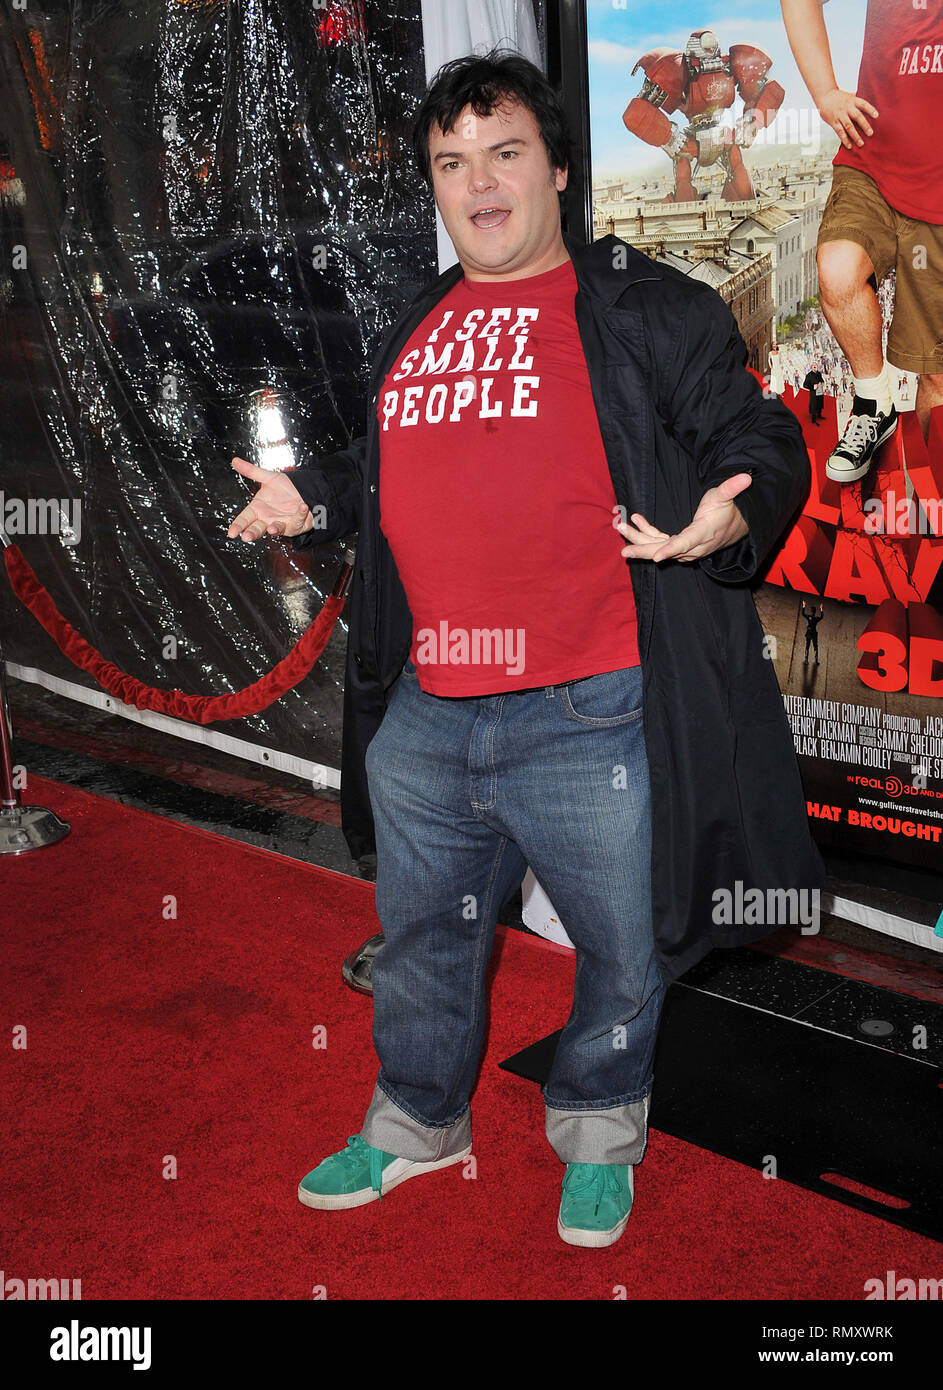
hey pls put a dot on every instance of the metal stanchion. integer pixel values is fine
(22, 828)
(346, 570)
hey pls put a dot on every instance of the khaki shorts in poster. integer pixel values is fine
(856, 211)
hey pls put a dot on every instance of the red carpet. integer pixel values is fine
(150, 1037)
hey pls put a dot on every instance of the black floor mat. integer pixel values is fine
(746, 1084)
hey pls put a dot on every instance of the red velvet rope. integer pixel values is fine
(199, 709)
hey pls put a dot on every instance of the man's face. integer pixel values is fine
(498, 162)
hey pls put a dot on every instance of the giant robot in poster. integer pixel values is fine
(702, 83)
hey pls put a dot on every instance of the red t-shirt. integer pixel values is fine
(496, 497)
(901, 75)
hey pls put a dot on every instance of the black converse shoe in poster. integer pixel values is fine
(865, 431)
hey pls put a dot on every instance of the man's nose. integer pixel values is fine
(480, 176)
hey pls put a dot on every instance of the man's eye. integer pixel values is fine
(512, 153)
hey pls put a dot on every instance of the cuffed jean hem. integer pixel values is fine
(388, 1127)
(618, 1135)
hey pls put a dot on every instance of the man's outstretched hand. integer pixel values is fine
(277, 509)
(718, 522)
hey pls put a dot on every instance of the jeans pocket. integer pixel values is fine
(604, 701)
(408, 672)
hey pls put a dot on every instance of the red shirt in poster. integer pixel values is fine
(496, 496)
(901, 74)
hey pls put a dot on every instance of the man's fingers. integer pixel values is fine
(852, 112)
(854, 117)
(703, 534)
(638, 539)
(683, 544)
(684, 558)
(641, 532)
(843, 129)
(249, 470)
(859, 116)
(853, 129)
(667, 547)
(643, 550)
(249, 526)
(731, 487)
(239, 523)
(646, 527)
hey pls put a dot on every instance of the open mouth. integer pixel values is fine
(490, 217)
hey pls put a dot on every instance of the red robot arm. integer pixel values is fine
(667, 79)
(767, 104)
(647, 122)
(749, 66)
(662, 91)
(761, 97)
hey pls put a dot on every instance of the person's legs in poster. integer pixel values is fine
(857, 245)
(915, 339)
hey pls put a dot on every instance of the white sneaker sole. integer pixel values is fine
(592, 1239)
(398, 1171)
(851, 475)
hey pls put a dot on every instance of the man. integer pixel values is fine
(813, 616)
(815, 385)
(885, 209)
(524, 400)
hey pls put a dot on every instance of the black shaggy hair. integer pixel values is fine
(484, 82)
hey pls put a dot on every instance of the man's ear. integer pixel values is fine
(559, 179)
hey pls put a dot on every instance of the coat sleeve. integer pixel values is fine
(336, 483)
(717, 412)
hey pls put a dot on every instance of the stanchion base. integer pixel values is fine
(30, 827)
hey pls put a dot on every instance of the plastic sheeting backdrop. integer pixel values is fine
(209, 214)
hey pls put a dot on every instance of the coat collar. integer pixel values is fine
(598, 273)
(593, 263)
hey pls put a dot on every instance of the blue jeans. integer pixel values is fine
(466, 792)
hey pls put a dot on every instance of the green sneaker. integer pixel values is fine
(360, 1174)
(595, 1203)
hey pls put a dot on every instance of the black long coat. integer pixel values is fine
(677, 411)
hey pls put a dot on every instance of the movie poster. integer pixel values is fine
(709, 153)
